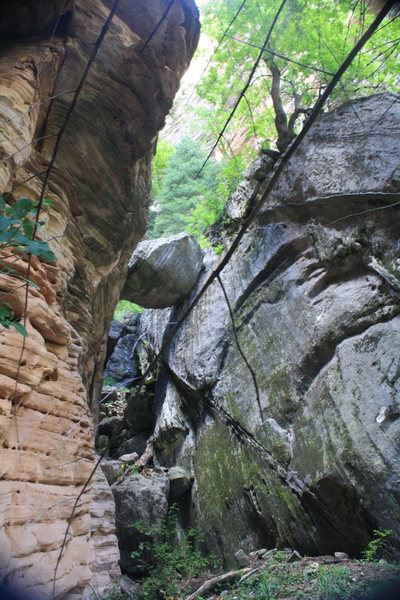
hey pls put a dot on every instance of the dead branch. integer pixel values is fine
(211, 583)
(147, 454)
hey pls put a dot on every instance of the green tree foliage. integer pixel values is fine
(210, 209)
(316, 37)
(17, 229)
(308, 44)
(174, 557)
(125, 309)
(160, 163)
(181, 190)
(371, 553)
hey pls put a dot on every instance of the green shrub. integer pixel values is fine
(375, 545)
(173, 558)
(115, 593)
(125, 309)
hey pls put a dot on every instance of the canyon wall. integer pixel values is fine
(99, 188)
(298, 444)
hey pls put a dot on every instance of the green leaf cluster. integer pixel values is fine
(186, 200)
(315, 36)
(371, 553)
(182, 188)
(17, 227)
(173, 558)
(124, 309)
(333, 583)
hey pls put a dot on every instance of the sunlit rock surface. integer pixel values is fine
(100, 192)
(311, 464)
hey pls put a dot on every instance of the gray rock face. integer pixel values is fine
(162, 272)
(138, 498)
(309, 459)
(135, 444)
(112, 469)
(241, 201)
(121, 365)
(117, 330)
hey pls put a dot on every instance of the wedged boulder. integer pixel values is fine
(139, 412)
(139, 498)
(110, 426)
(180, 481)
(162, 272)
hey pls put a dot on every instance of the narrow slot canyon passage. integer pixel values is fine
(199, 300)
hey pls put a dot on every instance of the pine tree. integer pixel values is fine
(180, 191)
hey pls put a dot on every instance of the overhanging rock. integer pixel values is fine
(162, 272)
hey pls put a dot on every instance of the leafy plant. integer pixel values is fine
(134, 469)
(172, 558)
(266, 587)
(306, 47)
(182, 189)
(332, 583)
(115, 593)
(375, 545)
(125, 308)
(17, 228)
(109, 382)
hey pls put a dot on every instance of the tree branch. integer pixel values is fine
(285, 134)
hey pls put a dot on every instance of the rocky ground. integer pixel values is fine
(314, 578)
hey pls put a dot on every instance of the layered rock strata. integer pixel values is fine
(299, 447)
(99, 188)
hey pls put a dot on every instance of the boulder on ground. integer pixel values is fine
(180, 481)
(242, 559)
(135, 444)
(143, 499)
(162, 272)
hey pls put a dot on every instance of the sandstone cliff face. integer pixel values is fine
(100, 192)
(313, 464)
